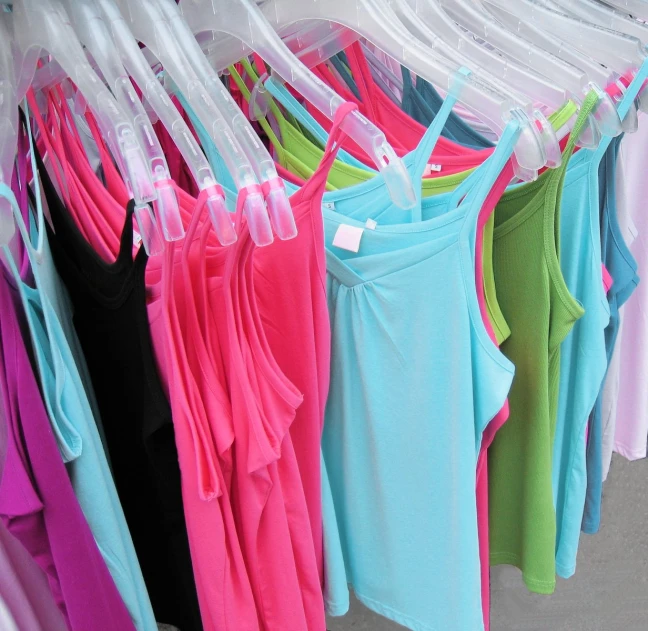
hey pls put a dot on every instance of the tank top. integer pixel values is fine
(60, 367)
(204, 434)
(540, 311)
(24, 588)
(37, 502)
(372, 296)
(110, 298)
(623, 269)
(339, 602)
(583, 359)
(625, 404)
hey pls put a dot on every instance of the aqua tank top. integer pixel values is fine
(385, 520)
(583, 353)
(622, 266)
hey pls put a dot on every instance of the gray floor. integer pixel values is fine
(609, 591)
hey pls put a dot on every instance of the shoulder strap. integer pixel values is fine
(417, 160)
(33, 253)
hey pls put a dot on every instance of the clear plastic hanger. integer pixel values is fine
(88, 23)
(242, 19)
(608, 17)
(476, 21)
(375, 21)
(156, 96)
(44, 25)
(430, 23)
(605, 16)
(150, 26)
(543, 40)
(566, 71)
(8, 126)
(636, 8)
(620, 52)
(273, 187)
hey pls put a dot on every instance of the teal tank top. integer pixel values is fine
(622, 266)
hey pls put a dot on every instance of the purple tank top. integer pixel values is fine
(37, 502)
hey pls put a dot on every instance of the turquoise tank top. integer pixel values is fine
(583, 358)
(414, 381)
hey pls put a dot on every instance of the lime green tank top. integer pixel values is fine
(540, 311)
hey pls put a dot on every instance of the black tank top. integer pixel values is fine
(111, 321)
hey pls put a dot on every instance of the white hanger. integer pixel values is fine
(598, 76)
(150, 26)
(140, 70)
(375, 21)
(430, 23)
(242, 19)
(8, 127)
(93, 33)
(44, 25)
(636, 8)
(605, 16)
(619, 52)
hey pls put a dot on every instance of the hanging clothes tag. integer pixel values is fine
(429, 168)
(328, 205)
(348, 237)
(370, 224)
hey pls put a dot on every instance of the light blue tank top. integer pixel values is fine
(622, 266)
(583, 356)
(49, 317)
(414, 381)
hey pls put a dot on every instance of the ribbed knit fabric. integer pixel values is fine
(540, 311)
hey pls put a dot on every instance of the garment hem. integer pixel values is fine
(629, 453)
(533, 585)
(406, 621)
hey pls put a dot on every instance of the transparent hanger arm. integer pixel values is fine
(636, 8)
(605, 16)
(275, 193)
(149, 25)
(44, 24)
(139, 68)
(545, 41)
(8, 128)
(94, 34)
(243, 20)
(621, 53)
(377, 23)
(487, 28)
(426, 19)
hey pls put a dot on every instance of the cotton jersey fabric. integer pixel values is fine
(38, 504)
(540, 311)
(359, 433)
(623, 271)
(625, 406)
(583, 353)
(110, 321)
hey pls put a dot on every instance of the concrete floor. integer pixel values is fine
(609, 591)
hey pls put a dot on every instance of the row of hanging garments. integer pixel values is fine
(304, 297)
